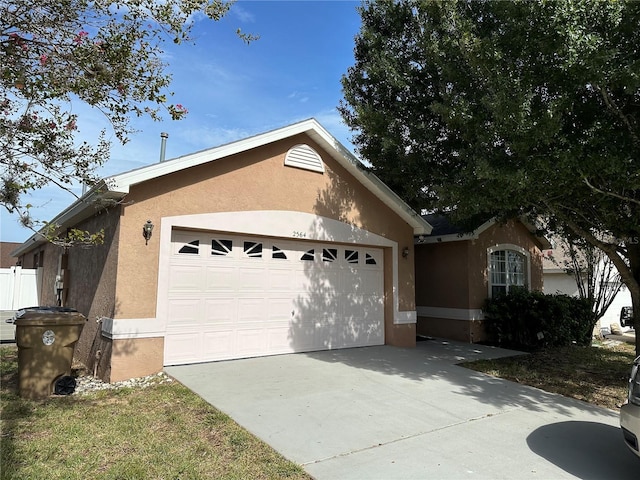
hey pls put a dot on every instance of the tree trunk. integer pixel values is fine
(634, 265)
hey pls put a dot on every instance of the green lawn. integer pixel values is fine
(161, 432)
(598, 374)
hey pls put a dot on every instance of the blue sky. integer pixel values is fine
(233, 90)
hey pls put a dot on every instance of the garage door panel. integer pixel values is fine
(219, 344)
(184, 313)
(185, 278)
(220, 278)
(277, 336)
(257, 297)
(251, 341)
(251, 310)
(183, 348)
(371, 283)
(219, 311)
(280, 310)
(280, 279)
(252, 278)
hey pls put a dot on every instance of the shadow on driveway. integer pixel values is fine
(587, 450)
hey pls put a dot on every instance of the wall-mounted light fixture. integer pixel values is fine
(147, 230)
(405, 252)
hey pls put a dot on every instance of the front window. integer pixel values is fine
(507, 270)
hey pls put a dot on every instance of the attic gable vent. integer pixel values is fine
(303, 156)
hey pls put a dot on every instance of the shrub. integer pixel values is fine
(532, 320)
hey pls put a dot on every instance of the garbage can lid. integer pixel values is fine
(48, 315)
(44, 309)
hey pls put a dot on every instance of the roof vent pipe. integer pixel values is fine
(163, 145)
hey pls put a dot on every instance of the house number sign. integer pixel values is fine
(48, 337)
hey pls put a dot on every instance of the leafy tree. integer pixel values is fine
(507, 108)
(106, 54)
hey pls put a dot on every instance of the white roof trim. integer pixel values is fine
(456, 237)
(121, 183)
(117, 186)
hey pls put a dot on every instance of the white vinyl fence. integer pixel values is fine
(18, 288)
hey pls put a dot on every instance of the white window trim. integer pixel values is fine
(515, 248)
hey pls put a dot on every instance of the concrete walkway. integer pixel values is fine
(392, 413)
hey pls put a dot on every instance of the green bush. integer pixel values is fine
(532, 320)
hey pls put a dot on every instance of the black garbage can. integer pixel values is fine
(46, 338)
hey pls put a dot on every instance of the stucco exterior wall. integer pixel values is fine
(452, 283)
(135, 358)
(441, 274)
(91, 279)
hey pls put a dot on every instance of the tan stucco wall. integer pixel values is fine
(460, 330)
(441, 274)
(92, 283)
(136, 358)
(454, 275)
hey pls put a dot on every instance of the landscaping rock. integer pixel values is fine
(88, 384)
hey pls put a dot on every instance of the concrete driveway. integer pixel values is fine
(393, 413)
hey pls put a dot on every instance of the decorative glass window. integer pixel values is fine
(329, 254)
(253, 249)
(308, 256)
(221, 247)
(191, 248)
(369, 260)
(277, 253)
(507, 270)
(351, 256)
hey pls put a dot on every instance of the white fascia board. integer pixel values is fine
(82, 208)
(452, 237)
(456, 237)
(369, 180)
(543, 239)
(121, 183)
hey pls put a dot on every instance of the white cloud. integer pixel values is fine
(242, 14)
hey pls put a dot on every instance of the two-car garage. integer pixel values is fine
(235, 296)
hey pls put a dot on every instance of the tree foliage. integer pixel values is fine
(507, 108)
(105, 54)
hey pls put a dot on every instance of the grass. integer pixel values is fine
(161, 432)
(596, 374)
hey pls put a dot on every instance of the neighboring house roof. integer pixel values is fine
(6, 258)
(445, 231)
(117, 186)
(554, 259)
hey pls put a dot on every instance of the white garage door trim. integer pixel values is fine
(275, 223)
(283, 224)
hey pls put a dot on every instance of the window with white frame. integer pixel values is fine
(508, 269)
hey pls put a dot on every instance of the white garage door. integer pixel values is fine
(235, 297)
